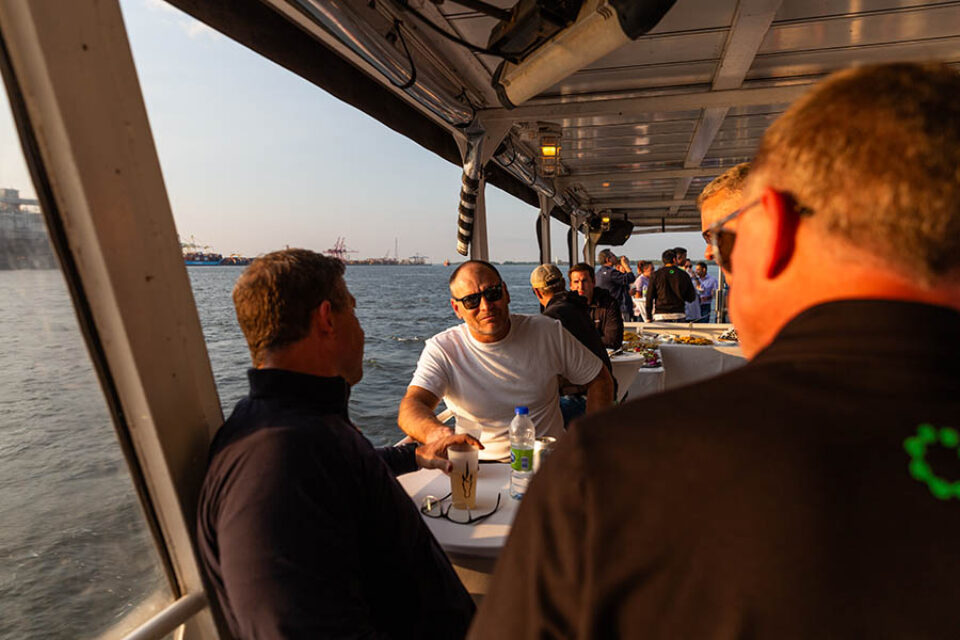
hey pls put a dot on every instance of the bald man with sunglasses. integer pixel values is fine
(494, 362)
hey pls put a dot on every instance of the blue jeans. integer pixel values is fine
(704, 313)
(572, 407)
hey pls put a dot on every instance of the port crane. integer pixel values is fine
(339, 249)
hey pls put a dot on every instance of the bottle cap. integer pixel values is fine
(521, 411)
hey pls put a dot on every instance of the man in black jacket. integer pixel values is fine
(571, 310)
(303, 528)
(669, 291)
(819, 496)
(604, 309)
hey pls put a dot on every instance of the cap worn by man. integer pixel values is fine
(302, 526)
(823, 501)
(570, 309)
(494, 362)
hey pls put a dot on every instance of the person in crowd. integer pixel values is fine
(494, 362)
(706, 286)
(615, 276)
(691, 308)
(570, 309)
(303, 528)
(604, 308)
(669, 291)
(638, 290)
(824, 502)
(722, 196)
(681, 257)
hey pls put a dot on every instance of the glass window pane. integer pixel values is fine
(76, 556)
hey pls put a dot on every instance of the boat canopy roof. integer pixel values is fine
(642, 129)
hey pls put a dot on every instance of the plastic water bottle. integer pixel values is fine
(522, 438)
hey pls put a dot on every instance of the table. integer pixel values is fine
(472, 548)
(625, 368)
(685, 364)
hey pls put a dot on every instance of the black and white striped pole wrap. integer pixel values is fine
(470, 187)
(468, 208)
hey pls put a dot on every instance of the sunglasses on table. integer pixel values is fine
(491, 294)
(433, 507)
(722, 240)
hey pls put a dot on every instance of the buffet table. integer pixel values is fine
(472, 548)
(682, 364)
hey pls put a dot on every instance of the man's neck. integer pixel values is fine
(299, 360)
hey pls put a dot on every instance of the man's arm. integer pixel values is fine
(417, 419)
(600, 391)
(651, 296)
(686, 287)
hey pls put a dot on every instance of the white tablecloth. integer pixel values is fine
(482, 539)
(625, 368)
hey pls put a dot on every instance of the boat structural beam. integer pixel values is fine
(543, 235)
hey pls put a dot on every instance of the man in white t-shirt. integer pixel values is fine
(494, 362)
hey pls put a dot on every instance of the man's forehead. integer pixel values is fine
(472, 279)
(718, 205)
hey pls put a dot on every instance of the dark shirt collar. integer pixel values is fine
(331, 394)
(884, 330)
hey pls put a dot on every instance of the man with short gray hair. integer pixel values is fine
(720, 197)
(824, 502)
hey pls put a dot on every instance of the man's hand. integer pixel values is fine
(433, 455)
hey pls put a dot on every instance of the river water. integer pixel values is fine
(75, 557)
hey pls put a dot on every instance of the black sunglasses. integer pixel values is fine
(432, 507)
(722, 240)
(472, 301)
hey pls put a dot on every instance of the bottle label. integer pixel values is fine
(521, 459)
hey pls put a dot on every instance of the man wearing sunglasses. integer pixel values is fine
(721, 196)
(494, 362)
(823, 501)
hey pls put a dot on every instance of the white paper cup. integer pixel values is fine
(463, 478)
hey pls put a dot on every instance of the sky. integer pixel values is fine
(255, 158)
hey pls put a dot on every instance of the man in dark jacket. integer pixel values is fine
(616, 276)
(303, 528)
(669, 291)
(824, 500)
(571, 310)
(604, 309)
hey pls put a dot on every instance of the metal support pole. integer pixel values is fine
(479, 249)
(545, 248)
(589, 249)
(572, 240)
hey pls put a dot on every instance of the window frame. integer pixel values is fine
(83, 127)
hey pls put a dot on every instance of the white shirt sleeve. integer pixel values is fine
(578, 364)
(432, 371)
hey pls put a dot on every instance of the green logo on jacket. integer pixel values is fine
(916, 447)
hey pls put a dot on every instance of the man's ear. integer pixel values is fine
(322, 319)
(784, 222)
(506, 293)
(456, 311)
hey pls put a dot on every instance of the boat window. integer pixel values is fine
(255, 158)
(77, 558)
